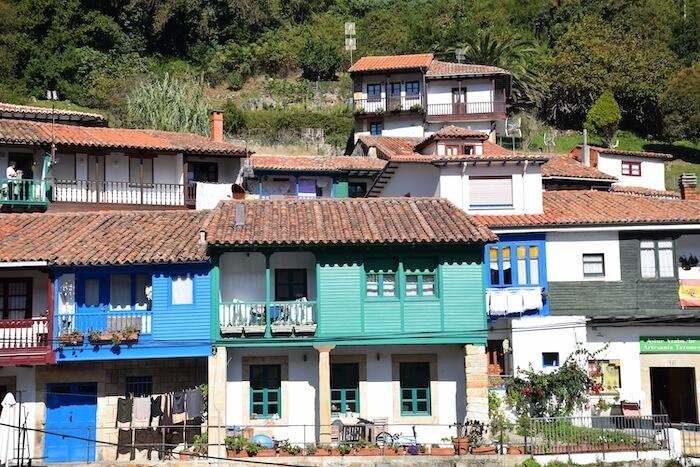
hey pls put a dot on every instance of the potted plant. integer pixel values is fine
(310, 450)
(287, 449)
(460, 443)
(344, 449)
(417, 108)
(363, 448)
(99, 337)
(71, 337)
(484, 450)
(235, 446)
(130, 333)
(252, 449)
(688, 262)
(437, 450)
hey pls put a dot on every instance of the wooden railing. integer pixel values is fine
(250, 318)
(467, 108)
(28, 192)
(18, 334)
(112, 321)
(108, 192)
(389, 104)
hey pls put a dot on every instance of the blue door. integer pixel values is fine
(71, 419)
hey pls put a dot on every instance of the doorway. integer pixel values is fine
(71, 420)
(673, 393)
(459, 101)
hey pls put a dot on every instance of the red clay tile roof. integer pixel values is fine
(45, 113)
(401, 149)
(452, 131)
(23, 132)
(439, 68)
(103, 238)
(580, 207)
(344, 221)
(331, 164)
(391, 62)
(625, 152)
(643, 191)
(566, 166)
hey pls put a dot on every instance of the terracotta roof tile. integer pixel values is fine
(331, 164)
(566, 166)
(579, 207)
(625, 152)
(643, 191)
(344, 221)
(45, 113)
(439, 68)
(391, 62)
(103, 238)
(23, 132)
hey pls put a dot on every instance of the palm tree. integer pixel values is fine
(514, 54)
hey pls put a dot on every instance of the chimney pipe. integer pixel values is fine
(216, 126)
(688, 183)
(586, 152)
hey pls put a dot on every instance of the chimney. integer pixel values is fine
(688, 183)
(240, 214)
(372, 152)
(586, 150)
(216, 126)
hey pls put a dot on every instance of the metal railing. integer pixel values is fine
(24, 333)
(80, 328)
(690, 439)
(108, 192)
(250, 318)
(565, 435)
(26, 192)
(467, 108)
(389, 104)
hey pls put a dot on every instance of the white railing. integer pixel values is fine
(99, 191)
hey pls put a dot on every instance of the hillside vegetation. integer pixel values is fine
(286, 56)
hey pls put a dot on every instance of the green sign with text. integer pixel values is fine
(669, 344)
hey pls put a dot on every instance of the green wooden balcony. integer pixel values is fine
(23, 192)
(252, 319)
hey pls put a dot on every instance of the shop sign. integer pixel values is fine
(669, 344)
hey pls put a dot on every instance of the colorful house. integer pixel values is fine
(321, 303)
(127, 298)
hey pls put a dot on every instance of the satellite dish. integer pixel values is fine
(459, 55)
(513, 127)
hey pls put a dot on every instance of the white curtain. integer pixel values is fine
(182, 290)
(666, 265)
(648, 258)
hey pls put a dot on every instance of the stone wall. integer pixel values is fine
(168, 375)
(477, 383)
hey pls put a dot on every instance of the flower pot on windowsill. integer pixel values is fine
(71, 339)
(368, 452)
(515, 450)
(132, 336)
(184, 456)
(484, 450)
(266, 453)
(440, 451)
(461, 445)
(254, 329)
(302, 329)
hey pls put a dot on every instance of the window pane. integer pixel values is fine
(372, 285)
(92, 292)
(143, 291)
(648, 261)
(422, 407)
(666, 266)
(182, 290)
(428, 285)
(534, 270)
(388, 286)
(120, 291)
(411, 285)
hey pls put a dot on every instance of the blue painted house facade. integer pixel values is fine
(128, 312)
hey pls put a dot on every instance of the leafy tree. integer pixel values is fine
(319, 60)
(516, 55)
(681, 104)
(170, 104)
(604, 117)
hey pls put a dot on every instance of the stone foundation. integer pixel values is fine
(477, 383)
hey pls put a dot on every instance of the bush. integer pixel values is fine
(604, 117)
(531, 462)
(681, 105)
(319, 60)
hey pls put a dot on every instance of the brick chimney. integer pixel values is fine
(688, 183)
(216, 126)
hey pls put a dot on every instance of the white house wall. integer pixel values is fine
(416, 179)
(478, 90)
(410, 126)
(653, 175)
(527, 187)
(378, 393)
(534, 335)
(23, 379)
(565, 252)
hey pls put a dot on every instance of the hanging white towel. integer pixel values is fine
(532, 298)
(515, 301)
(497, 302)
(141, 415)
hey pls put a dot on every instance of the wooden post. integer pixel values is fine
(324, 392)
(268, 294)
(141, 177)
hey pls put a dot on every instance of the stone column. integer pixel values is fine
(216, 402)
(477, 382)
(324, 392)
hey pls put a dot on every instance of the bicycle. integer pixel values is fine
(398, 440)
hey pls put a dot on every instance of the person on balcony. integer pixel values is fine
(11, 173)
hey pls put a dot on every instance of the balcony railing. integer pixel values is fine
(251, 318)
(23, 192)
(108, 192)
(77, 328)
(389, 104)
(23, 334)
(467, 108)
